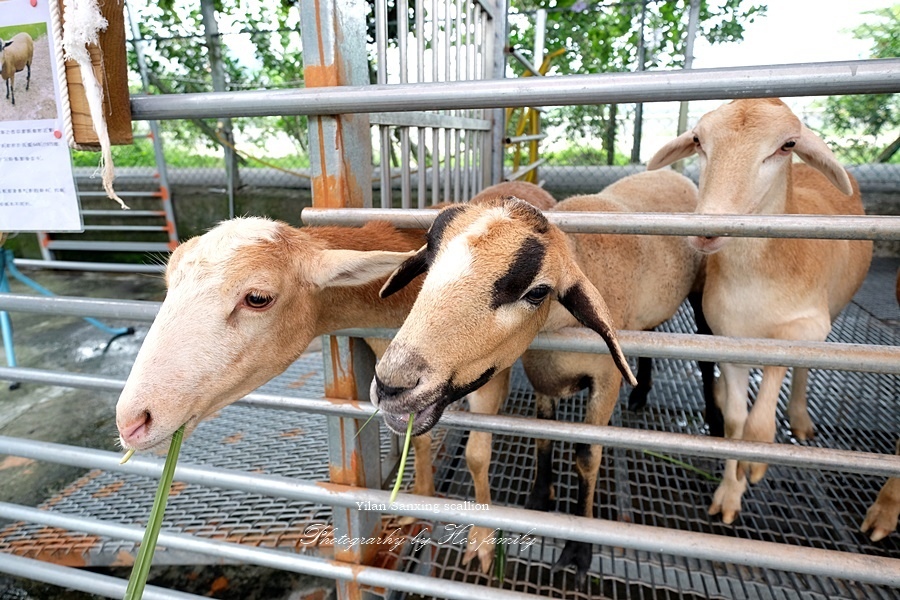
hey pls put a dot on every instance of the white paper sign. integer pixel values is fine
(37, 186)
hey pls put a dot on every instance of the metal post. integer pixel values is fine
(334, 53)
(693, 20)
(639, 107)
(211, 32)
(158, 154)
(495, 68)
(333, 33)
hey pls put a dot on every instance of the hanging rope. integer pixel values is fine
(83, 23)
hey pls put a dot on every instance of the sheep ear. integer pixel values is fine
(7, 44)
(818, 155)
(337, 268)
(411, 268)
(587, 305)
(680, 147)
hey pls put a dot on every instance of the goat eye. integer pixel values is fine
(536, 295)
(696, 141)
(257, 301)
(788, 145)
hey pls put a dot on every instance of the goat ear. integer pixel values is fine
(680, 147)
(337, 268)
(411, 268)
(587, 305)
(818, 155)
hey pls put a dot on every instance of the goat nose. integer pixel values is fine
(136, 429)
(384, 390)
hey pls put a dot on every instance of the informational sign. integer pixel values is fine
(37, 186)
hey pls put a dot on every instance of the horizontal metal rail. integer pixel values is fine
(714, 348)
(526, 138)
(131, 228)
(84, 581)
(869, 227)
(526, 169)
(276, 559)
(108, 246)
(122, 213)
(808, 79)
(72, 265)
(427, 119)
(125, 194)
(613, 437)
(703, 546)
(815, 355)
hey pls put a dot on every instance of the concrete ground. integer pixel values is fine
(87, 418)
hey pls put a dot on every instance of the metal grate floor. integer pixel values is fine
(855, 411)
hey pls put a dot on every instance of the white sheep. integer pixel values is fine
(767, 287)
(244, 300)
(498, 273)
(15, 55)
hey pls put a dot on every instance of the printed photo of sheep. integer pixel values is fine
(26, 73)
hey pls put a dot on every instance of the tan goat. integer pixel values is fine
(244, 300)
(882, 516)
(765, 287)
(498, 273)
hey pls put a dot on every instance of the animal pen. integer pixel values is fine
(289, 494)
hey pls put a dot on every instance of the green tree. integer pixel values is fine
(602, 36)
(177, 57)
(852, 122)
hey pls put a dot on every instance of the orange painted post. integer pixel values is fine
(333, 33)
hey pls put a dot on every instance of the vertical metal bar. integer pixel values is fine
(402, 7)
(211, 33)
(333, 34)
(639, 107)
(495, 61)
(421, 173)
(158, 153)
(435, 132)
(384, 131)
(353, 454)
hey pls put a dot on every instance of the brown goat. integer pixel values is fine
(498, 273)
(768, 287)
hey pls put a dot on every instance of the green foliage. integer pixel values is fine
(178, 60)
(854, 122)
(583, 155)
(35, 30)
(602, 37)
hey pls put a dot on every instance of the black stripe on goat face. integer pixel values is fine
(436, 233)
(527, 263)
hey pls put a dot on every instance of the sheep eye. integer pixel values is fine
(257, 301)
(788, 145)
(536, 295)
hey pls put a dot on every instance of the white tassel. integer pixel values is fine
(83, 23)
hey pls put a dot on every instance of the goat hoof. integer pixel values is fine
(480, 545)
(540, 500)
(881, 519)
(637, 400)
(578, 555)
(803, 428)
(14, 386)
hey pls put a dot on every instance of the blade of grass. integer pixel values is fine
(403, 456)
(684, 465)
(141, 568)
(372, 416)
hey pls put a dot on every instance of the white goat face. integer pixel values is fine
(241, 306)
(745, 149)
(492, 270)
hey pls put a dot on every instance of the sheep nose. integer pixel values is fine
(384, 390)
(132, 432)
